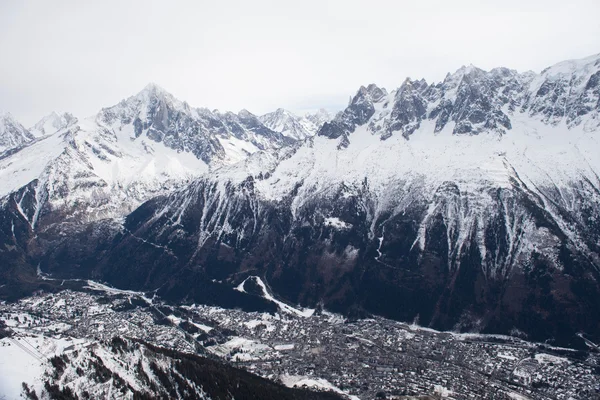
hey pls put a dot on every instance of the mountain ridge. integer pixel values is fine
(294, 126)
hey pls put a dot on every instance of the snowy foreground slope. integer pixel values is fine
(123, 369)
(100, 342)
(469, 204)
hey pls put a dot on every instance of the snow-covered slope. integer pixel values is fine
(293, 126)
(568, 91)
(12, 133)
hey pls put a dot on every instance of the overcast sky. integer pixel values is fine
(80, 56)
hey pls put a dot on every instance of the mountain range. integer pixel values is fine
(107, 165)
(472, 204)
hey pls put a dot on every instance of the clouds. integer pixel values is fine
(260, 55)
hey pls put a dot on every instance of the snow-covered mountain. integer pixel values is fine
(469, 204)
(319, 117)
(123, 368)
(52, 123)
(209, 135)
(12, 134)
(293, 126)
(474, 101)
(108, 164)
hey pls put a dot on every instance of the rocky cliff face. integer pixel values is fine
(472, 204)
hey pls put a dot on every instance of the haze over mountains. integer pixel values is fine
(469, 204)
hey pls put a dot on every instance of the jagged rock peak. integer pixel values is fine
(319, 118)
(12, 133)
(154, 92)
(293, 126)
(477, 101)
(151, 105)
(7, 116)
(153, 89)
(371, 93)
(52, 123)
(246, 114)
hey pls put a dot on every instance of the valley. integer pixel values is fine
(358, 359)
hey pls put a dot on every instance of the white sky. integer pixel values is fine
(80, 56)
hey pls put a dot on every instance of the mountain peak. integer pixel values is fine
(569, 67)
(245, 113)
(151, 103)
(154, 91)
(460, 73)
(5, 115)
(12, 133)
(372, 93)
(321, 115)
(294, 126)
(52, 123)
(409, 84)
(152, 87)
(283, 113)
